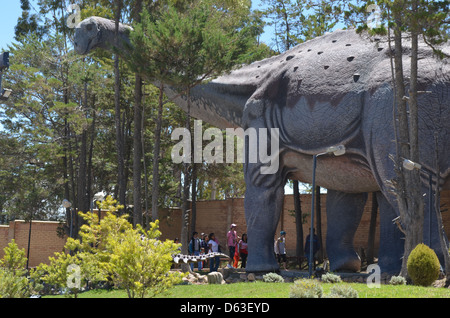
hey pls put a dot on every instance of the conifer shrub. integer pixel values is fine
(397, 280)
(342, 291)
(306, 288)
(331, 278)
(423, 265)
(273, 278)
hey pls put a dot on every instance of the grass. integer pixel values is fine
(276, 290)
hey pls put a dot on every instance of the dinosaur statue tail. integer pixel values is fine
(193, 259)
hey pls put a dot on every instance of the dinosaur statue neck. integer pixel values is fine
(219, 102)
(107, 39)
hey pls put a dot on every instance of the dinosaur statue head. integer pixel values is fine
(97, 32)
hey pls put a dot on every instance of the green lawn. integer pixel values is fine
(277, 290)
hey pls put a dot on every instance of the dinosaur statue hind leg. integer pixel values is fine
(344, 211)
(390, 252)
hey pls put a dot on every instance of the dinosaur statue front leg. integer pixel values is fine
(344, 211)
(263, 201)
(262, 212)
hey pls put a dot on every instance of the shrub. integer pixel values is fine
(13, 282)
(331, 278)
(397, 280)
(113, 250)
(14, 259)
(342, 291)
(273, 278)
(12, 285)
(306, 288)
(423, 265)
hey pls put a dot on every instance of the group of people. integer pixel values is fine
(238, 248)
(204, 244)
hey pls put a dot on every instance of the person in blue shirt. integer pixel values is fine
(195, 248)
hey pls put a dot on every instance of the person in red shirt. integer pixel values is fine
(243, 250)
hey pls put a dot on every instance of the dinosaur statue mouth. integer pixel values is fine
(80, 50)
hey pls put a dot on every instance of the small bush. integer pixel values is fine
(12, 285)
(273, 278)
(397, 280)
(331, 278)
(423, 265)
(306, 288)
(342, 291)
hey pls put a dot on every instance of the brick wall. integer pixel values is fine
(44, 239)
(212, 216)
(216, 216)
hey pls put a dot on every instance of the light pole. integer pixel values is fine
(411, 165)
(99, 196)
(337, 151)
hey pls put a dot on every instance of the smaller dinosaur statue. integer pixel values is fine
(194, 259)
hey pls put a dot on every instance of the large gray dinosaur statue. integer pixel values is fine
(332, 90)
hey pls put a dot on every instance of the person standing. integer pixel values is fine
(213, 247)
(281, 247)
(204, 247)
(232, 239)
(194, 249)
(243, 250)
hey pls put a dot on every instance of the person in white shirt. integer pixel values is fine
(213, 247)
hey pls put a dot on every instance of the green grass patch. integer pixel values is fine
(276, 290)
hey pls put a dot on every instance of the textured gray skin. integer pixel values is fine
(332, 90)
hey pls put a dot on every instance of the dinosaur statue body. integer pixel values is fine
(332, 90)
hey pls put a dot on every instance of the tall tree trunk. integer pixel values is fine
(194, 197)
(407, 187)
(83, 201)
(156, 154)
(416, 204)
(89, 190)
(75, 225)
(437, 208)
(184, 238)
(66, 177)
(137, 137)
(119, 131)
(137, 152)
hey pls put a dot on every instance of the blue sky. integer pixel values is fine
(10, 11)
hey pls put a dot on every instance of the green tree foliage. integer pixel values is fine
(28, 22)
(184, 46)
(58, 137)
